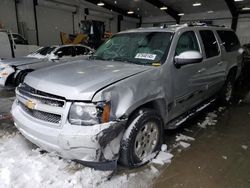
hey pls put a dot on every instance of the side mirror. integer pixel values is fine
(188, 57)
(242, 50)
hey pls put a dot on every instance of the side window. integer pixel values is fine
(230, 40)
(64, 51)
(18, 39)
(187, 42)
(210, 43)
(81, 50)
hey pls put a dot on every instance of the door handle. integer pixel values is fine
(220, 63)
(202, 70)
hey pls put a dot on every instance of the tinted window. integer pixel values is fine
(187, 42)
(65, 51)
(45, 50)
(81, 50)
(18, 39)
(230, 40)
(210, 43)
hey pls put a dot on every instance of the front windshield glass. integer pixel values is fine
(144, 48)
(45, 50)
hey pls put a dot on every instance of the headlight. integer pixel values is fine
(88, 113)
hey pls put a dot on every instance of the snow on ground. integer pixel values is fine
(182, 141)
(209, 120)
(182, 137)
(163, 157)
(244, 147)
(23, 165)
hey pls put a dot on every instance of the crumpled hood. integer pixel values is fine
(20, 61)
(80, 80)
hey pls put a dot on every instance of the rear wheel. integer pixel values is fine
(142, 138)
(227, 93)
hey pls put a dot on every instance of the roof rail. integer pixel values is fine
(197, 23)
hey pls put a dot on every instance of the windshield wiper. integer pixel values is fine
(95, 57)
(124, 59)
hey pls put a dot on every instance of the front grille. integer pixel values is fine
(42, 97)
(44, 116)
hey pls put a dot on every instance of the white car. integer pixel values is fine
(14, 45)
(13, 71)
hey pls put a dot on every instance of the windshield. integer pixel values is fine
(144, 48)
(45, 50)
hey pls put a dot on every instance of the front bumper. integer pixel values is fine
(95, 146)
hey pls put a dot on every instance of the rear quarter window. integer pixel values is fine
(230, 40)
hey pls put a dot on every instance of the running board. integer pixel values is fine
(183, 118)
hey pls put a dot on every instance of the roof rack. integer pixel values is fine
(197, 23)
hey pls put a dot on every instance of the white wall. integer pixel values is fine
(8, 15)
(51, 22)
(27, 20)
(243, 29)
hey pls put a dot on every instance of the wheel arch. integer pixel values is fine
(159, 105)
(233, 72)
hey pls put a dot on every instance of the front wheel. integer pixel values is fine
(142, 138)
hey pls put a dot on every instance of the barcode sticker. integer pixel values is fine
(145, 56)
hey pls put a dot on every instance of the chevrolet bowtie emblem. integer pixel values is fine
(30, 104)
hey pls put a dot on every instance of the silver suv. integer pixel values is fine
(115, 105)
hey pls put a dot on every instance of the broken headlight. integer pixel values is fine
(88, 113)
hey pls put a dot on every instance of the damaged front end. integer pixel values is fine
(81, 131)
(108, 146)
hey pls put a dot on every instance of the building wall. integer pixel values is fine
(55, 16)
(8, 15)
(53, 19)
(59, 21)
(243, 29)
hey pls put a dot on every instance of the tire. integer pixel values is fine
(20, 77)
(137, 136)
(227, 93)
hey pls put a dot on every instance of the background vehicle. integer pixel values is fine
(135, 85)
(246, 54)
(14, 45)
(13, 71)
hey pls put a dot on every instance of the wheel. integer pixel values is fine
(227, 93)
(142, 138)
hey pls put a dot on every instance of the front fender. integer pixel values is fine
(4, 74)
(132, 93)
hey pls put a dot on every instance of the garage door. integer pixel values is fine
(8, 15)
(51, 22)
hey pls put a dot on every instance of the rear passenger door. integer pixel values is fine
(214, 68)
(231, 45)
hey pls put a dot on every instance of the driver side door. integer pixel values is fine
(188, 85)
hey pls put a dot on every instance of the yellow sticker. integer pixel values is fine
(156, 64)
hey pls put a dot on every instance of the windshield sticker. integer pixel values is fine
(145, 56)
(156, 64)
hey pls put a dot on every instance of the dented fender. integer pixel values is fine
(133, 92)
